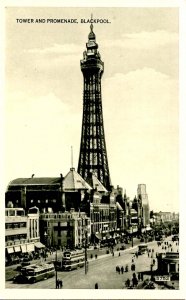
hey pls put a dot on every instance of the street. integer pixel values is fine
(101, 270)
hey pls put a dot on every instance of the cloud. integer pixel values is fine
(145, 97)
(141, 127)
(65, 49)
(143, 40)
(39, 133)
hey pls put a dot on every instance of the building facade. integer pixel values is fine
(21, 232)
(143, 196)
(168, 264)
(65, 230)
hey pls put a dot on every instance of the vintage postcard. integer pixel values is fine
(91, 175)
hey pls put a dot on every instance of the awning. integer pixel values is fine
(10, 250)
(30, 247)
(98, 235)
(23, 248)
(149, 228)
(39, 245)
(17, 248)
(146, 229)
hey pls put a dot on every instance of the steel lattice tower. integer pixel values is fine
(93, 154)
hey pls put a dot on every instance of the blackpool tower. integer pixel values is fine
(93, 154)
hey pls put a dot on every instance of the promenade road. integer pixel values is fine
(101, 270)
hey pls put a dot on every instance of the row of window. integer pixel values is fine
(15, 225)
(14, 213)
(45, 201)
(101, 216)
(15, 237)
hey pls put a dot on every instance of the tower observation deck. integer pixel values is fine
(93, 154)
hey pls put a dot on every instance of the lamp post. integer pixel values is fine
(56, 269)
(86, 266)
(45, 239)
(151, 270)
(145, 234)
(132, 237)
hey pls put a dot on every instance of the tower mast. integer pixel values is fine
(93, 154)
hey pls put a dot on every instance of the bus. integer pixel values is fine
(73, 259)
(35, 272)
(142, 248)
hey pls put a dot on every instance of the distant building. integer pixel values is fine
(141, 191)
(100, 206)
(166, 216)
(21, 231)
(68, 229)
(44, 192)
(49, 194)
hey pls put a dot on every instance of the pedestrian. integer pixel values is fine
(119, 254)
(96, 285)
(139, 276)
(60, 283)
(96, 256)
(119, 270)
(132, 260)
(134, 280)
(57, 284)
(127, 283)
(116, 269)
(122, 270)
(126, 268)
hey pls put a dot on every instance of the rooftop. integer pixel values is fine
(73, 181)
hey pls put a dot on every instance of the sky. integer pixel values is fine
(44, 96)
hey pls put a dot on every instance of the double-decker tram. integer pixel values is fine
(142, 249)
(35, 272)
(73, 259)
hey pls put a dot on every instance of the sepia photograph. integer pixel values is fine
(91, 178)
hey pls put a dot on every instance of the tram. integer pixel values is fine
(35, 272)
(73, 259)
